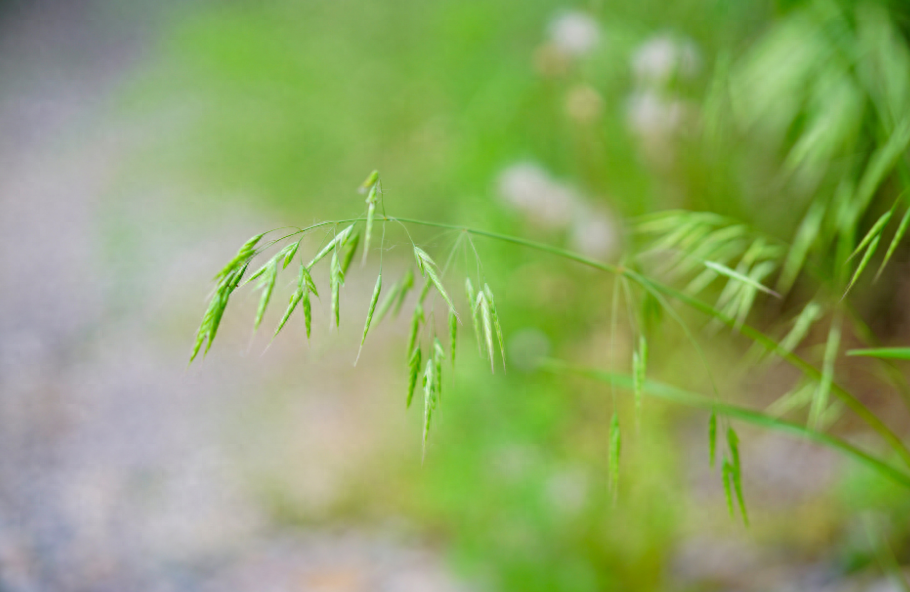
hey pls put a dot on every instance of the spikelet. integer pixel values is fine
(307, 312)
(416, 319)
(339, 239)
(453, 335)
(735, 472)
(486, 317)
(414, 372)
(336, 281)
(268, 286)
(406, 285)
(368, 227)
(241, 259)
(427, 267)
(429, 400)
(373, 300)
(615, 451)
(495, 318)
(349, 254)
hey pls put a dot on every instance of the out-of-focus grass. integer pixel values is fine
(289, 105)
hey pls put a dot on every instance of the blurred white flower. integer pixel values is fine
(554, 205)
(574, 33)
(650, 115)
(662, 57)
(655, 121)
(530, 189)
(594, 233)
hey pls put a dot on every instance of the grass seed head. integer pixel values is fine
(413, 373)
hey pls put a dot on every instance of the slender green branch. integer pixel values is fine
(752, 333)
(748, 331)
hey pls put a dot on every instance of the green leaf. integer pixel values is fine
(890, 353)
(863, 263)
(810, 313)
(881, 163)
(724, 270)
(805, 238)
(901, 230)
(873, 233)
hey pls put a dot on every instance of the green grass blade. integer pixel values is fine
(689, 399)
(881, 163)
(863, 263)
(873, 233)
(898, 236)
(724, 270)
(805, 238)
(889, 353)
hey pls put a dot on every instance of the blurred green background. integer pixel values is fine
(180, 129)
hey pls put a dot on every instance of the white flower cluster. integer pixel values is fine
(551, 204)
(654, 114)
(574, 33)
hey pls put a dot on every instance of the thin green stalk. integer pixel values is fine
(748, 331)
